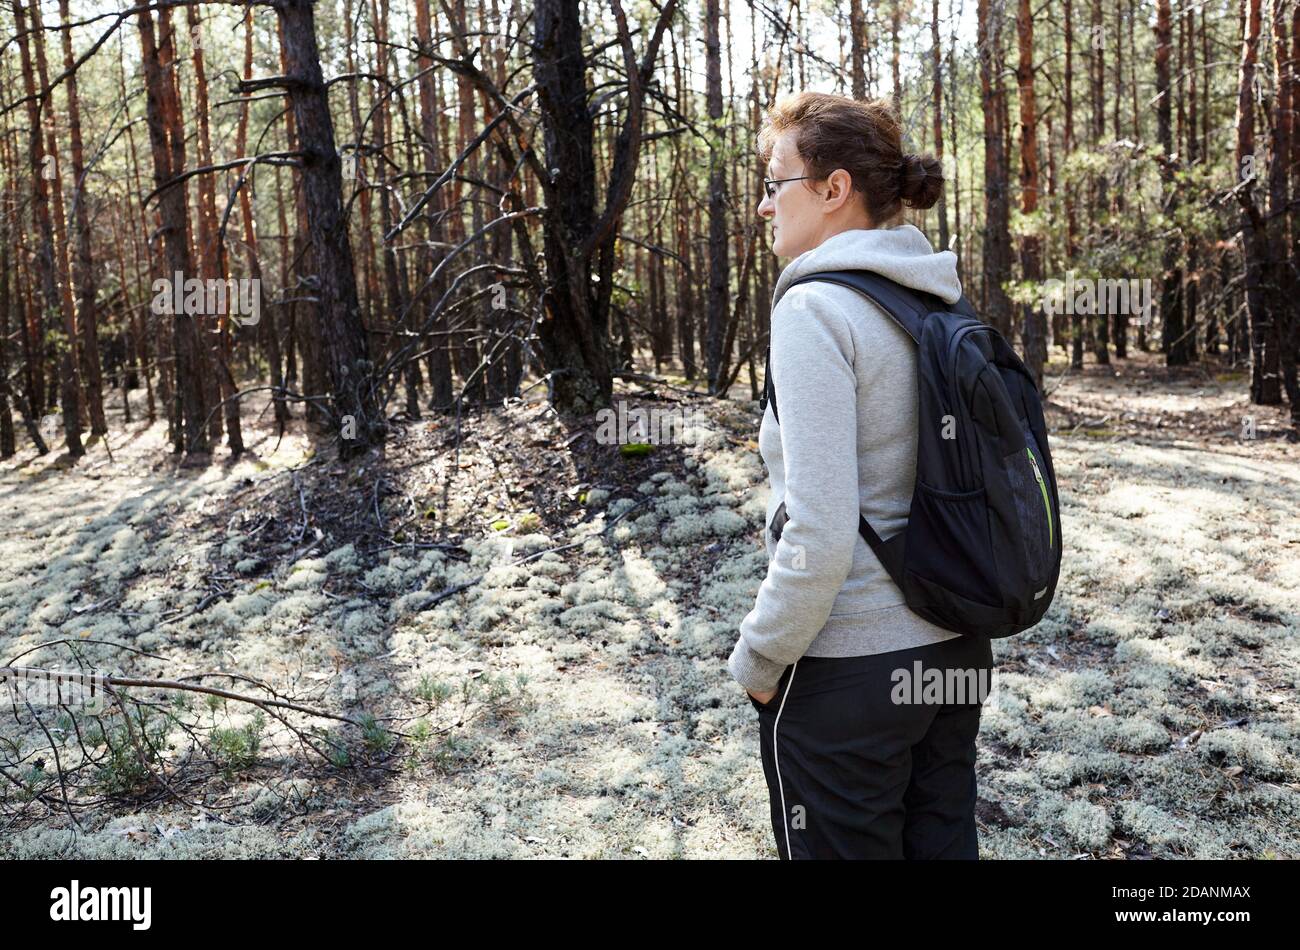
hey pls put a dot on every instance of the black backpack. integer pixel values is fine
(981, 553)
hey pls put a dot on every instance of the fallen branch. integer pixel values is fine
(27, 672)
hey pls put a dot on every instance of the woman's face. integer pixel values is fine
(795, 207)
(805, 213)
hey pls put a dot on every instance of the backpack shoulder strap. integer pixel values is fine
(905, 306)
(908, 308)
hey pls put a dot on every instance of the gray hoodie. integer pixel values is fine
(845, 376)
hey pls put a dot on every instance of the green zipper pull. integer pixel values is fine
(1042, 487)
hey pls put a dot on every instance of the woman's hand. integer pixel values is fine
(763, 698)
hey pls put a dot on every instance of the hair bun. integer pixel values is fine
(920, 180)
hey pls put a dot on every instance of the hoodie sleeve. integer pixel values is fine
(812, 369)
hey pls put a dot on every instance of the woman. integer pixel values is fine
(854, 768)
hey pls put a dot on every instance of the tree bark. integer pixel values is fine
(158, 51)
(58, 305)
(346, 351)
(936, 56)
(268, 330)
(996, 259)
(1265, 386)
(857, 47)
(1071, 218)
(1281, 271)
(1097, 76)
(1173, 331)
(87, 319)
(719, 261)
(1033, 330)
(439, 361)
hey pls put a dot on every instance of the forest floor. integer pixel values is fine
(578, 703)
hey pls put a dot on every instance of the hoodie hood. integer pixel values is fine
(901, 253)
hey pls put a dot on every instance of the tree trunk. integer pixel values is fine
(936, 56)
(1173, 331)
(190, 434)
(1291, 355)
(439, 360)
(87, 321)
(1121, 318)
(1033, 331)
(996, 258)
(269, 332)
(857, 44)
(1264, 381)
(7, 443)
(1281, 272)
(44, 169)
(719, 262)
(1097, 81)
(1071, 219)
(572, 338)
(219, 387)
(346, 351)
(895, 59)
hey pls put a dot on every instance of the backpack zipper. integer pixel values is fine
(972, 464)
(1042, 487)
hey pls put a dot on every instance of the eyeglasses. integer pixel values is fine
(769, 183)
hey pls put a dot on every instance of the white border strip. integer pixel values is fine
(776, 757)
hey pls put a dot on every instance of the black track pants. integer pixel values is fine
(852, 773)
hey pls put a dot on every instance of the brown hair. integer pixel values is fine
(864, 139)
